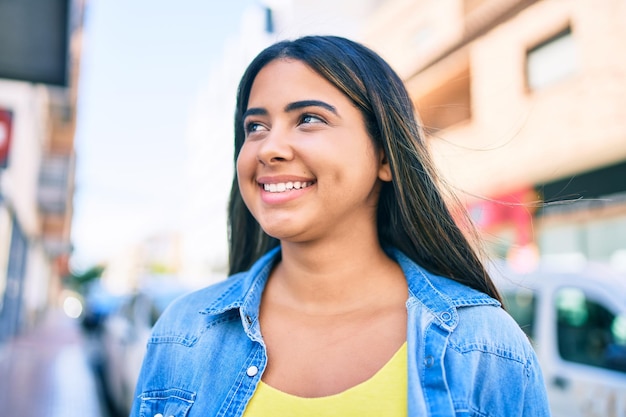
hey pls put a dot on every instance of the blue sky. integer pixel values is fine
(143, 62)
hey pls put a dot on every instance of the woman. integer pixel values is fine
(353, 290)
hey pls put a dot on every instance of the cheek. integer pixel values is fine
(245, 162)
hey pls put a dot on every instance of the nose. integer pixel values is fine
(275, 148)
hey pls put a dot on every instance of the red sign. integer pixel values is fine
(6, 125)
(514, 209)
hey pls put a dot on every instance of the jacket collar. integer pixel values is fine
(244, 293)
(441, 296)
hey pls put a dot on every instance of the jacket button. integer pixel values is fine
(249, 319)
(445, 316)
(429, 361)
(158, 415)
(252, 371)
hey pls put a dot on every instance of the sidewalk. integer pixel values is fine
(45, 372)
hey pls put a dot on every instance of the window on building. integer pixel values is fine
(53, 189)
(588, 332)
(585, 217)
(448, 104)
(551, 61)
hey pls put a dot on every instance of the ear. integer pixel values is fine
(384, 170)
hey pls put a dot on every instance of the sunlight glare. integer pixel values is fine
(72, 307)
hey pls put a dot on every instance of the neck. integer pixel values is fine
(325, 278)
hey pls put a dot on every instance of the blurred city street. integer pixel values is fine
(116, 167)
(45, 372)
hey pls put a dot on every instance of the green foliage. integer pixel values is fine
(80, 280)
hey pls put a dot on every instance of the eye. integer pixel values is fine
(251, 127)
(311, 119)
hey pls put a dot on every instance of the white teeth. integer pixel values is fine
(282, 186)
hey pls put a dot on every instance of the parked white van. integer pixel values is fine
(576, 320)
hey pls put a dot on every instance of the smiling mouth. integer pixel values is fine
(281, 187)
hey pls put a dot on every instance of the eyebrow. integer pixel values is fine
(256, 111)
(310, 103)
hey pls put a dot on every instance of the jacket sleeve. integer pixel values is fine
(535, 399)
(492, 369)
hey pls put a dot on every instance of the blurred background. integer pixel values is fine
(116, 164)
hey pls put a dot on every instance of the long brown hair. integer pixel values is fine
(413, 214)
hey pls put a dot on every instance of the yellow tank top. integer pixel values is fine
(383, 395)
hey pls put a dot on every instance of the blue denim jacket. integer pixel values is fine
(466, 355)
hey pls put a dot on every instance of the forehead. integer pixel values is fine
(290, 79)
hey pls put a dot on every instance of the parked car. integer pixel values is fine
(576, 321)
(124, 337)
(98, 304)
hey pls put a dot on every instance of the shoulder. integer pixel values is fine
(479, 323)
(488, 349)
(490, 329)
(474, 320)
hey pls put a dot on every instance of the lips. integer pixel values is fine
(281, 187)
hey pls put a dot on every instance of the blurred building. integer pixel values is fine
(210, 136)
(134, 266)
(40, 49)
(522, 101)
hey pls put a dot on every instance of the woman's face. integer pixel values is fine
(308, 168)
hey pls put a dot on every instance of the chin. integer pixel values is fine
(280, 227)
(280, 234)
(286, 234)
